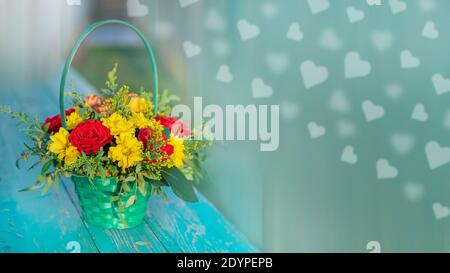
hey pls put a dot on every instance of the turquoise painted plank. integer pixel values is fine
(193, 227)
(139, 239)
(29, 222)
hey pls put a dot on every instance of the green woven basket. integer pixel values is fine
(99, 210)
(95, 196)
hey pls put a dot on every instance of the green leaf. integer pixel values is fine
(46, 127)
(150, 176)
(130, 201)
(130, 178)
(46, 166)
(47, 186)
(102, 172)
(142, 185)
(138, 168)
(34, 165)
(115, 198)
(158, 183)
(56, 183)
(126, 187)
(180, 185)
(31, 188)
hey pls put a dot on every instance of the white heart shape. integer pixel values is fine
(221, 47)
(385, 170)
(247, 30)
(338, 102)
(345, 128)
(294, 32)
(397, 6)
(136, 8)
(269, 10)
(440, 211)
(289, 110)
(349, 156)
(441, 84)
(315, 130)
(330, 40)
(191, 49)
(437, 156)
(372, 111)
(277, 62)
(427, 6)
(214, 21)
(260, 89)
(312, 74)
(413, 191)
(224, 74)
(408, 60)
(402, 143)
(355, 67)
(429, 30)
(393, 90)
(382, 40)
(317, 6)
(354, 15)
(419, 113)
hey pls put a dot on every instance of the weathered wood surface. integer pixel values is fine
(30, 222)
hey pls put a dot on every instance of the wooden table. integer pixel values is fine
(30, 222)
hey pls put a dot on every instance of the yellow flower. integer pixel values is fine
(128, 151)
(140, 121)
(71, 155)
(139, 105)
(73, 120)
(178, 150)
(118, 125)
(60, 145)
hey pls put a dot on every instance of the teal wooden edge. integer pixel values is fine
(77, 44)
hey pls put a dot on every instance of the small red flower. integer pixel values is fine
(90, 136)
(167, 149)
(143, 136)
(176, 127)
(55, 121)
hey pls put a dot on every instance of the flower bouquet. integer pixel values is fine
(117, 148)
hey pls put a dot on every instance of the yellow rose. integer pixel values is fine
(139, 105)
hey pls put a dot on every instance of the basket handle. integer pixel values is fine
(80, 40)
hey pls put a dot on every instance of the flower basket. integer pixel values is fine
(98, 208)
(119, 148)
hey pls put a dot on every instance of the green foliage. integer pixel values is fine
(164, 102)
(139, 179)
(180, 185)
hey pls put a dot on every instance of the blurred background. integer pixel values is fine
(322, 190)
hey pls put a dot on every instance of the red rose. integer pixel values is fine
(90, 136)
(167, 149)
(144, 136)
(176, 127)
(55, 122)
